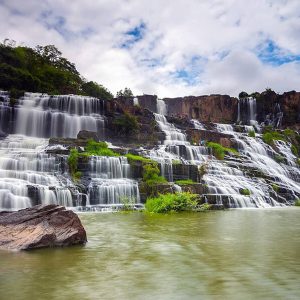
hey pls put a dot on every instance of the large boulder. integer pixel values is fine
(40, 226)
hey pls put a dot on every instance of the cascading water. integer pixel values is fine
(247, 111)
(41, 115)
(29, 176)
(110, 183)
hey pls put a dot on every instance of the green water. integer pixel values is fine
(237, 254)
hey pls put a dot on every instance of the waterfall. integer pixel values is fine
(28, 175)
(197, 125)
(110, 182)
(136, 101)
(161, 107)
(41, 115)
(247, 111)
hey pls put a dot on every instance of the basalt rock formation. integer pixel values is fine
(39, 227)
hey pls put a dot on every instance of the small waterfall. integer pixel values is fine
(136, 101)
(110, 183)
(247, 111)
(197, 125)
(161, 107)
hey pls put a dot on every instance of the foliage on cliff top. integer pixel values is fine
(43, 69)
(172, 202)
(219, 150)
(126, 123)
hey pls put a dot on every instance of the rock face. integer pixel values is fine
(40, 226)
(213, 108)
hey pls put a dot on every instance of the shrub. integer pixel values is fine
(294, 150)
(289, 132)
(172, 202)
(185, 182)
(126, 124)
(99, 149)
(245, 192)
(251, 133)
(73, 162)
(297, 202)
(219, 150)
(243, 95)
(151, 174)
(128, 203)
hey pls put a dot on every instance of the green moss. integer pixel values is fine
(297, 202)
(172, 202)
(298, 161)
(176, 162)
(294, 150)
(185, 182)
(245, 192)
(251, 133)
(73, 163)
(133, 157)
(219, 150)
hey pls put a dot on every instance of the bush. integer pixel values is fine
(275, 187)
(279, 158)
(151, 174)
(126, 124)
(99, 149)
(73, 163)
(172, 202)
(185, 182)
(297, 202)
(219, 150)
(243, 95)
(294, 150)
(289, 133)
(251, 133)
(245, 192)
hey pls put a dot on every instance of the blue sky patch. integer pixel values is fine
(270, 53)
(134, 35)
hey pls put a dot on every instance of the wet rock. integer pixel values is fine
(87, 135)
(39, 227)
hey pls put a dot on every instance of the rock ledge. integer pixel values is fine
(40, 226)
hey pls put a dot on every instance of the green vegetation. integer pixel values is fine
(243, 95)
(176, 162)
(128, 203)
(126, 124)
(73, 164)
(43, 69)
(151, 174)
(133, 157)
(297, 202)
(275, 187)
(294, 150)
(251, 133)
(298, 162)
(98, 149)
(172, 203)
(219, 150)
(185, 182)
(279, 158)
(245, 192)
(126, 93)
(270, 136)
(289, 133)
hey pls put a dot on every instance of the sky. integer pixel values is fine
(167, 47)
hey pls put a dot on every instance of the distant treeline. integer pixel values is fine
(43, 69)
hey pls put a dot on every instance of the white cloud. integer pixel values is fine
(224, 34)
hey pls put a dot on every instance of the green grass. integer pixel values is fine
(245, 192)
(172, 203)
(185, 181)
(133, 157)
(219, 151)
(251, 133)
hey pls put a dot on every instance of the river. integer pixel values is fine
(234, 254)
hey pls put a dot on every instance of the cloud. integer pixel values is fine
(168, 48)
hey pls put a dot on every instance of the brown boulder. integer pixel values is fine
(40, 226)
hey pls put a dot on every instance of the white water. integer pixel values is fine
(41, 115)
(110, 183)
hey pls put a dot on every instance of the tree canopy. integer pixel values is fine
(43, 69)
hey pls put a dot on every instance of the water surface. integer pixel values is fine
(236, 254)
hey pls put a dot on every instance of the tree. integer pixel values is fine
(96, 90)
(126, 93)
(243, 95)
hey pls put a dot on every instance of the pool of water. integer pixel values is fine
(235, 254)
